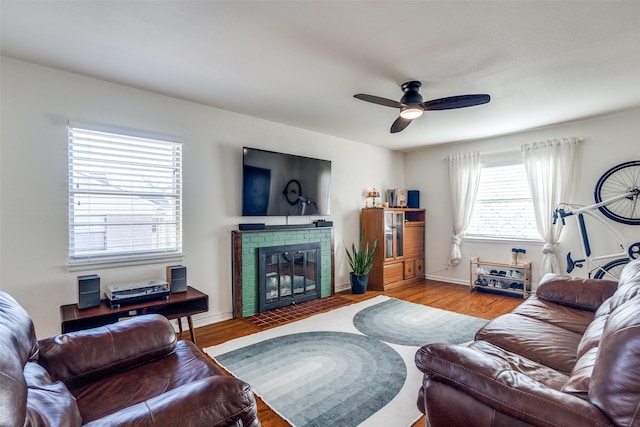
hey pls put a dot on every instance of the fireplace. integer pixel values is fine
(288, 274)
(247, 245)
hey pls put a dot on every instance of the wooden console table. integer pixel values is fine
(177, 306)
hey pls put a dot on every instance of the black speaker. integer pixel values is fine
(413, 199)
(177, 278)
(252, 226)
(88, 291)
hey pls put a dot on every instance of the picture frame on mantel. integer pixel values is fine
(400, 198)
(397, 197)
(390, 197)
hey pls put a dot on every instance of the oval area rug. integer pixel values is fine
(401, 322)
(321, 378)
(329, 351)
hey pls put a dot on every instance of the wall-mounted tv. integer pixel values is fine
(279, 184)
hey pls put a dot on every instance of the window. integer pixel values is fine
(125, 197)
(503, 208)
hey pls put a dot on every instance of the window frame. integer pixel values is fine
(82, 172)
(497, 238)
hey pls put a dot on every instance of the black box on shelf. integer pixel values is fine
(252, 226)
(413, 199)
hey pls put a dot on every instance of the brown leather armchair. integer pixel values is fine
(133, 372)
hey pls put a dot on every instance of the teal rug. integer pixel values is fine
(347, 367)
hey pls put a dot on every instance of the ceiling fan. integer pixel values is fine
(411, 105)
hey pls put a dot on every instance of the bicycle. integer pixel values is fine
(617, 194)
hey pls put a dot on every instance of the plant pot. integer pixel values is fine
(359, 283)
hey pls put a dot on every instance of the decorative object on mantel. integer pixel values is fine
(361, 261)
(373, 198)
(398, 197)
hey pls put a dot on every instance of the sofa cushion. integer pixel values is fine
(216, 401)
(517, 363)
(556, 314)
(578, 381)
(592, 336)
(16, 329)
(49, 404)
(615, 384)
(184, 365)
(491, 382)
(629, 285)
(584, 294)
(18, 345)
(84, 356)
(539, 341)
(438, 397)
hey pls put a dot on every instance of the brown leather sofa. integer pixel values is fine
(567, 356)
(134, 372)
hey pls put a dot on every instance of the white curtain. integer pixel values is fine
(550, 169)
(464, 177)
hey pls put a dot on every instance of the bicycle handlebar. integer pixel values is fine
(562, 214)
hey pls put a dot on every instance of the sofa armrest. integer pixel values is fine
(585, 294)
(78, 357)
(492, 382)
(214, 401)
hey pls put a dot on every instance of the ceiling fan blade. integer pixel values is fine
(400, 124)
(453, 102)
(378, 100)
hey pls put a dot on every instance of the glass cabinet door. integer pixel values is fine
(388, 235)
(393, 234)
(399, 229)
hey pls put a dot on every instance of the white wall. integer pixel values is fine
(36, 104)
(608, 141)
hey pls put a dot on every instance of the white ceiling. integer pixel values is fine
(300, 62)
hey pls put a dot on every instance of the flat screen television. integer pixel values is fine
(279, 184)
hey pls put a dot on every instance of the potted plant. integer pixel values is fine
(361, 261)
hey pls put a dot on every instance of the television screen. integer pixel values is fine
(279, 184)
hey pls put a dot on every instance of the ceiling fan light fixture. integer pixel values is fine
(411, 113)
(411, 105)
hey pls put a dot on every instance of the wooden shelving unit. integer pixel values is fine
(400, 256)
(176, 306)
(500, 277)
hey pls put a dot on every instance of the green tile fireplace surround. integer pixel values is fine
(245, 246)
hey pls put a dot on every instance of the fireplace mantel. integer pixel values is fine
(245, 246)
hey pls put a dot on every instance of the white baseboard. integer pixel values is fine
(464, 282)
(344, 287)
(203, 319)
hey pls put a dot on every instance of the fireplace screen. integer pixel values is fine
(288, 275)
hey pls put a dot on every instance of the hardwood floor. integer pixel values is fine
(428, 292)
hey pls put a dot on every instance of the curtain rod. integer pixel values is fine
(514, 149)
(502, 151)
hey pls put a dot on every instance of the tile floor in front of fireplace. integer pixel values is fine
(272, 318)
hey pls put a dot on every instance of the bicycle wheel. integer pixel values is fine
(611, 270)
(619, 180)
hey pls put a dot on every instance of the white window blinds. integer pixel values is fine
(503, 208)
(125, 196)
